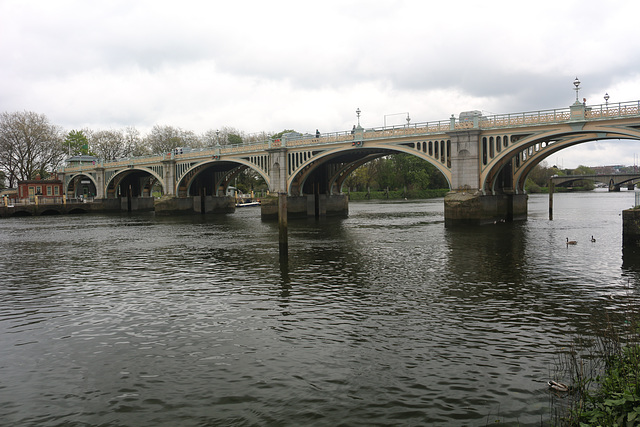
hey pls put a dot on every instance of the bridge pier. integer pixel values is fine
(136, 204)
(309, 206)
(474, 208)
(631, 228)
(195, 204)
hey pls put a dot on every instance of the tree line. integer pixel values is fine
(396, 172)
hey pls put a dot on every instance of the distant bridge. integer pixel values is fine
(613, 181)
(485, 160)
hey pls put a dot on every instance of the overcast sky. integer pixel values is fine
(273, 65)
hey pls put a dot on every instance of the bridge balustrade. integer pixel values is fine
(608, 111)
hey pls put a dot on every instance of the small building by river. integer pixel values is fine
(43, 188)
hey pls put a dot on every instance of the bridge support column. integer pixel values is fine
(100, 185)
(278, 170)
(461, 208)
(305, 206)
(631, 228)
(169, 177)
(465, 163)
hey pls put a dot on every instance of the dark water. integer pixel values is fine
(383, 318)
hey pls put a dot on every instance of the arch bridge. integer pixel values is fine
(613, 180)
(485, 160)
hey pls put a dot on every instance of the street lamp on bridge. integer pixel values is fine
(606, 98)
(576, 83)
(358, 114)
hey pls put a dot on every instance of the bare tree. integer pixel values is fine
(163, 139)
(223, 136)
(29, 145)
(107, 144)
(211, 138)
(116, 143)
(134, 143)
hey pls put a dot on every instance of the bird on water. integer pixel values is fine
(554, 385)
(593, 240)
(571, 242)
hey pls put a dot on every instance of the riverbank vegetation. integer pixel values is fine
(398, 194)
(604, 377)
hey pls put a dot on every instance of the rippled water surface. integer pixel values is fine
(381, 318)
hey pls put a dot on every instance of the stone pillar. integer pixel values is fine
(477, 209)
(100, 186)
(465, 160)
(278, 170)
(631, 228)
(466, 204)
(169, 177)
(577, 111)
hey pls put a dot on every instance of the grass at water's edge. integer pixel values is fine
(604, 377)
(398, 194)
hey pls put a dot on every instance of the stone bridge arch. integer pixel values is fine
(212, 177)
(73, 185)
(325, 171)
(516, 161)
(139, 181)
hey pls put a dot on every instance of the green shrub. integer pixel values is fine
(605, 379)
(398, 194)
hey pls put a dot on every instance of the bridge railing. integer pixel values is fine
(42, 200)
(560, 115)
(608, 111)
(418, 128)
(422, 128)
(122, 162)
(556, 115)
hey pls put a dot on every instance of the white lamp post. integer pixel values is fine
(576, 83)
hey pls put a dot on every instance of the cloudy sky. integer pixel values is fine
(273, 65)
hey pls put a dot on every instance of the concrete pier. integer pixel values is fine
(463, 208)
(631, 228)
(195, 204)
(304, 206)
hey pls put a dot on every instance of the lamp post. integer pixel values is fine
(358, 114)
(576, 83)
(408, 120)
(218, 137)
(606, 99)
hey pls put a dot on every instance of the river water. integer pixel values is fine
(381, 318)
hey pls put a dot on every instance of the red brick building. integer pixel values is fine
(44, 188)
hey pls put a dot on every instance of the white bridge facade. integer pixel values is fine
(485, 159)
